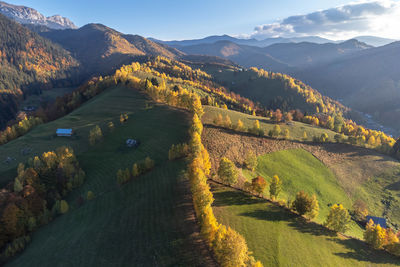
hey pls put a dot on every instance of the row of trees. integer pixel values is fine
(138, 168)
(228, 246)
(178, 151)
(19, 129)
(35, 196)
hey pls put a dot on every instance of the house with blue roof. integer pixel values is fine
(64, 132)
(377, 220)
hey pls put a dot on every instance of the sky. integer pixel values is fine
(187, 19)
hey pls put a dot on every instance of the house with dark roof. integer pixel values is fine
(377, 220)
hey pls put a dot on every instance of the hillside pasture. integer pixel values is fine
(334, 172)
(150, 220)
(280, 238)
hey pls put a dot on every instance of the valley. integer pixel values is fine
(119, 149)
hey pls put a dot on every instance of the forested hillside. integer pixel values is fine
(102, 49)
(367, 81)
(29, 61)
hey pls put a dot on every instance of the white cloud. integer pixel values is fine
(379, 17)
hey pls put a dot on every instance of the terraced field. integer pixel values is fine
(147, 222)
(280, 238)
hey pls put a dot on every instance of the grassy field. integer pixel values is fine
(296, 129)
(147, 222)
(300, 170)
(280, 238)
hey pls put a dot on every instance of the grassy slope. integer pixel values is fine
(296, 129)
(300, 170)
(279, 238)
(143, 223)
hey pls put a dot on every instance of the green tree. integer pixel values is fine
(275, 187)
(305, 205)
(227, 171)
(251, 161)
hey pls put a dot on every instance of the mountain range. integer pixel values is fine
(370, 40)
(27, 15)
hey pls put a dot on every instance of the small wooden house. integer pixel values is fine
(64, 132)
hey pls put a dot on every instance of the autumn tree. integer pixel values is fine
(135, 170)
(90, 195)
(239, 126)
(95, 135)
(278, 115)
(227, 171)
(111, 126)
(338, 218)
(258, 185)
(196, 106)
(374, 235)
(148, 163)
(227, 122)
(276, 131)
(305, 136)
(275, 187)
(286, 133)
(288, 116)
(196, 125)
(218, 120)
(256, 129)
(64, 207)
(250, 161)
(231, 248)
(360, 210)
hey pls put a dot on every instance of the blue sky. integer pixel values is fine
(185, 19)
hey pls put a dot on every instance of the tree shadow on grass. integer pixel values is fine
(273, 214)
(360, 251)
(228, 198)
(304, 226)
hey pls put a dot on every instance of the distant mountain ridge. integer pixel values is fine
(279, 57)
(242, 41)
(27, 15)
(370, 40)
